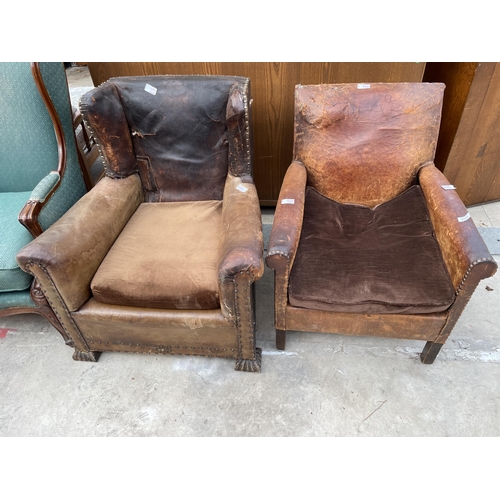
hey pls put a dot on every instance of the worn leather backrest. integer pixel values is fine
(364, 143)
(173, 131)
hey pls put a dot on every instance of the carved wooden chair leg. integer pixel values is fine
(46, 311)
(86, 355)
(250, 365)
(431, 350)
(280, 339)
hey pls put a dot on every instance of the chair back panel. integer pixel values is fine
(178, 129)
(364, 143)
(28, 147)
(72, 186)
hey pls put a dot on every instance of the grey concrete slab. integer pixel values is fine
(322, 385)
(79, 76)
(493, 212)
(491, 236)
(479, 216)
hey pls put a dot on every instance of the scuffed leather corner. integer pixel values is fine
(287, 225)
(461, 244)
(241, 248)
(72, 249)
(102, 110)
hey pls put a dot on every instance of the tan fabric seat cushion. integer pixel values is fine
(166, 257)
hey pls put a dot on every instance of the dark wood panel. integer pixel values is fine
(474, 160)
(458, 78)
(273, 85)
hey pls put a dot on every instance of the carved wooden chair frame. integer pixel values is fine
(28, 216)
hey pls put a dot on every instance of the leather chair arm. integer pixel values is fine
(72, 249)
(287, 225)
(241, 248)
(461, 244)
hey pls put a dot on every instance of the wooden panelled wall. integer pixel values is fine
(468, 150)
(273, 99)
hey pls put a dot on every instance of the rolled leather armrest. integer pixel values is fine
(287, 225)
(72, 249)
(241, 247)
(461, 244)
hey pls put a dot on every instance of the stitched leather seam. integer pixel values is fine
(62, 303)
(170, 353)
(84, 110)
(280, 305)
(237, 313)
(469, 269)
(208, 77)
(247, 126)
(168, 348)
(250, 335)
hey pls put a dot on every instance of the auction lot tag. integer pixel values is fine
(288, 201)
(150, 89)
(464, 218)
(447, 187)
(242, 188)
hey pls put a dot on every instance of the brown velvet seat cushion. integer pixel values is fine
(355, 259)
(165, 257)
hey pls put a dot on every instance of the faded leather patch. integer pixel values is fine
(365, 145)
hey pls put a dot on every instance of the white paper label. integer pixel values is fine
(288, 201)
(448, 187)
(242, 188)
(363, 85)
(464, 218)
(150, 89)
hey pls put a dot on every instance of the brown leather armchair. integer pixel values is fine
(368, 237)
(160, 256)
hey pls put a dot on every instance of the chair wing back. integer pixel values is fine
(364, 143)
(182, 134)
(28, 146)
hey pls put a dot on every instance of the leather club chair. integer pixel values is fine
(161, 255)
(368, 237)
(40, 176)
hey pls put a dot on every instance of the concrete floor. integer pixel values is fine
(322, 385)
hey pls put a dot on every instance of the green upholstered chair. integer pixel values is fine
(40, 173)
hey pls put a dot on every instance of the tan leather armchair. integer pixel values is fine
(161, 255)
(368, 237)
